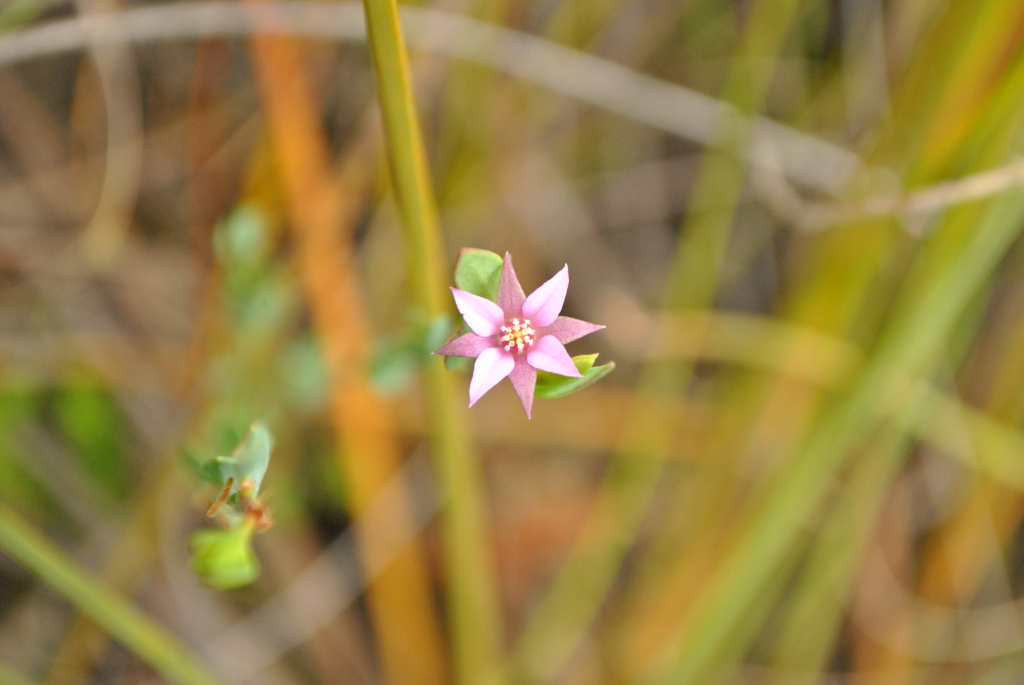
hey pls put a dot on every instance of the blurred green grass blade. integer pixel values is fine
(968, 31)
(90, 421)
(818, 605)
(807, 635)
(17, 13)
(975, 80)
(960, 37)
(472, 586)
(17, 486)
(771, 531)
(9, 676)
(125, 622)
(716, 190)
(921, 87)
(1004, 671)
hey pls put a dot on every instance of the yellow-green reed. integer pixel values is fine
(812, 622)
(906, 350)
(852, 253)
(119, 617)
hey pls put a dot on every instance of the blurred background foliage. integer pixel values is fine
(798, 219)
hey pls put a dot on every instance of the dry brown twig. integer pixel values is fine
(770, 184)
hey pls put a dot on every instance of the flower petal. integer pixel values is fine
(468, 345)
(544, 303)
(567, 329)
(491, 366)
(524, 380)
(549, 355)
(510, 293)
(482, 315)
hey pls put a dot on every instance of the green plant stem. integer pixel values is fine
(472, 587)
(407, 157)
(125, 622)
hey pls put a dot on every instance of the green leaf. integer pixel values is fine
(249, 461)
(253, 455)
(216, 471)
(436, 333)
(395, 361)
(303, 373)
(551, 385)
(224, 559)
(478, 272)
(393, 367)
(243, 238)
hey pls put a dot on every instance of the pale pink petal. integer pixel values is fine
(567, 329)
(482, 315)
(524, 380)
(549, 355)
(468, 345)
(544, 303)
(491, 366)
(510, 293)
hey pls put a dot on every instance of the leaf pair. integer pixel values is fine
(247, 464)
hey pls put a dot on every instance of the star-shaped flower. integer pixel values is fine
(517, 336)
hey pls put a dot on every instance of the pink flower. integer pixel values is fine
(518, 335)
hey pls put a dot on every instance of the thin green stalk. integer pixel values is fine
(119, 617)
(905, 352)
(472, 586)
(569, 608)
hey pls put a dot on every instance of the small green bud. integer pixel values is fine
(224, 559)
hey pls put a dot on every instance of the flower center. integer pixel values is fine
(517, 336)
